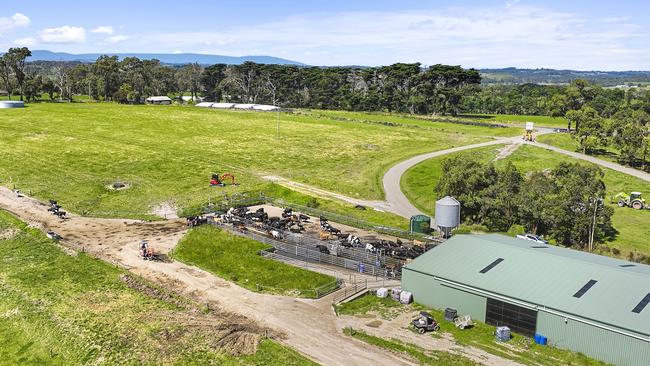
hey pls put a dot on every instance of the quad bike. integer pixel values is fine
(425, 323)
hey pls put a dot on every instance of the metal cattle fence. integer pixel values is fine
(307, 253)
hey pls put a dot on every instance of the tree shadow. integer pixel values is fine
(476, 116)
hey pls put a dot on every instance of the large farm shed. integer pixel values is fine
(595, 305)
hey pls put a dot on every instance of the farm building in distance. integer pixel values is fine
(187, 98)
(159, 100)
(255, 107)
(592, 304)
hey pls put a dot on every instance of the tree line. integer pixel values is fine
(406, 88)
(600, 118)
(565, 203)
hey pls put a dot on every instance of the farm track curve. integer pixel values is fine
(397, 202)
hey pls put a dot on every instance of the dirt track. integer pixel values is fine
(311, 327)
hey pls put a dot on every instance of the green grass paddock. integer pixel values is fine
(73, 151)
(236, 259)
(59, 309)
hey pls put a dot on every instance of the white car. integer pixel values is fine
(531, 237)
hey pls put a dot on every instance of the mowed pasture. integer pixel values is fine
(72, 152)
(513, 119)
(462, 119)
(633, 230)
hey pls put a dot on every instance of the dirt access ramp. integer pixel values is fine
(105, 238)
(308, 326)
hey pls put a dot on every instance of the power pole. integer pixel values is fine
(593, 226)
(278, 128)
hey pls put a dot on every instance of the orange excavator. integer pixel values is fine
(219, 181)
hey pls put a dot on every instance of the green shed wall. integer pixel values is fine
(430, 292)
(592, 341)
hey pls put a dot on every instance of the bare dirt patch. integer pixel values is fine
(506, 151)
(151, 291)
(8, 234)
(229, 332)
(118, 186)
(166, 210)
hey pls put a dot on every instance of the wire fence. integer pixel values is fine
(307, 253)
(315, 293)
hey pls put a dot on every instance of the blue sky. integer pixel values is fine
(582, 35)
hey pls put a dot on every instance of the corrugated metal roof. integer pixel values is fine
(159, 99)
(545, 276)
(264, 107)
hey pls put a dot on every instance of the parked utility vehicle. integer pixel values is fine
(425, 323)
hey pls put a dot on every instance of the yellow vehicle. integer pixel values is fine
(528, 134)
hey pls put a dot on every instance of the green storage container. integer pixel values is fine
(420, 224)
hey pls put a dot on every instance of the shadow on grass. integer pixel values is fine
(476, 116)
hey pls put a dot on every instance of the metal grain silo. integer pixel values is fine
(447, 214)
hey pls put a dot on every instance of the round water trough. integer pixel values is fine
(12, 104)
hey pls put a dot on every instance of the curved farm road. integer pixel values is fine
(399, 204)
(309, 326)
(604, 163)
(397, 200)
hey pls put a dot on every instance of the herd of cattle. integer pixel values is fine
(274, 226)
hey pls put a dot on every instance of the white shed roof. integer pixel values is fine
(264, 107)
(243, 106)
(158, 99)
(188, 98)
(223, 105)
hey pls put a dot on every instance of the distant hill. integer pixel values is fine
(167, 58)
(514, 75)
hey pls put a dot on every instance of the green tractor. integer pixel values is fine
(633, 200)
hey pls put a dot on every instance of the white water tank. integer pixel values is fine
(447, 214)
(12, 104)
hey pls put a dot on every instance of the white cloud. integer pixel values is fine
(103, 29)
(65, 34)
(15, 21)
(510, 35)
(117, 39)
(26, 42)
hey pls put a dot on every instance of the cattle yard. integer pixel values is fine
(294, 235)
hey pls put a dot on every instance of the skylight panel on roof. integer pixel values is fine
(585, 288)
(539, 246)
(491, 265)
(627, 265)
(641, 305)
